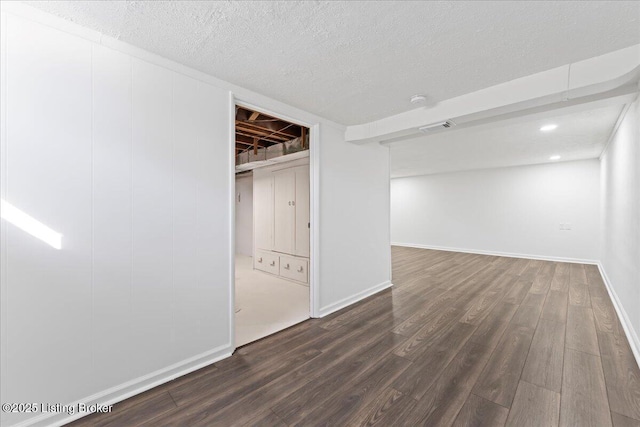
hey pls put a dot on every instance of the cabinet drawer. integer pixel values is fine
(294, 268)
(267, 261)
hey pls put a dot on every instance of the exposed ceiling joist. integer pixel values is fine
(271, 140)
(255, 130)
(287, 130)
(271, 134)
(248, 144)
(248, 139)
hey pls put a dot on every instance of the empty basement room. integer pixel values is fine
(324, 213)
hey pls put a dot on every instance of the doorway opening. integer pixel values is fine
(272, 224)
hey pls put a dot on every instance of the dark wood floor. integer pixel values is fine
(462, 339)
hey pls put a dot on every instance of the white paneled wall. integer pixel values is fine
(112, 214)
(130, 162)
(152, 214)
(621, 221)
(48, 175)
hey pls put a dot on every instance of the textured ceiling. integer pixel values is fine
(580, 135)
(354, 62)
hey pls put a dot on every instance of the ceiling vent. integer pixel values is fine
(436, 126)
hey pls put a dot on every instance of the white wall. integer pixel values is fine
(128, 155)
(129, 161)
(621, 220)
(354, 207)
(244, 214)
(514, 210)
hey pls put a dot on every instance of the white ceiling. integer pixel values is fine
(580, 135)
(354, 62)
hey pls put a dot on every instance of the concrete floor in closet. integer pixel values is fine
(266, 304)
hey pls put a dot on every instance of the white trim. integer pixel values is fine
(632, 336)
(345, 302)
(136, 386)
(496, 253)
(232, 220)
(390, 253)
(314, 218)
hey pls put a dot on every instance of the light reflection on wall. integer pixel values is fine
(30, 225)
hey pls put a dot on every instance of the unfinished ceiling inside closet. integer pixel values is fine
(261, 137)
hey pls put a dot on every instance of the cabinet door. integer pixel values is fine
(263, 211)
(302, 211)
(284, 210)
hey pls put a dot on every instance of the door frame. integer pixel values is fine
(314, 201)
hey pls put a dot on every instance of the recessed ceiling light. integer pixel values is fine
(548, 128)
(554, 157)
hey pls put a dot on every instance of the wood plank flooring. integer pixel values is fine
(461, 339)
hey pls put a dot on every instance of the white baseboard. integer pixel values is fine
(339, 305)
(133, 387)
(629, 331)
(495, 253)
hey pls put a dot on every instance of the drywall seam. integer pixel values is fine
(496, 253)
(136, 386)
(632, 336)
(345, 302)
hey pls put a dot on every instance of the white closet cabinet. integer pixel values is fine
(281, 221)
(262, 214)
(284, 216)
